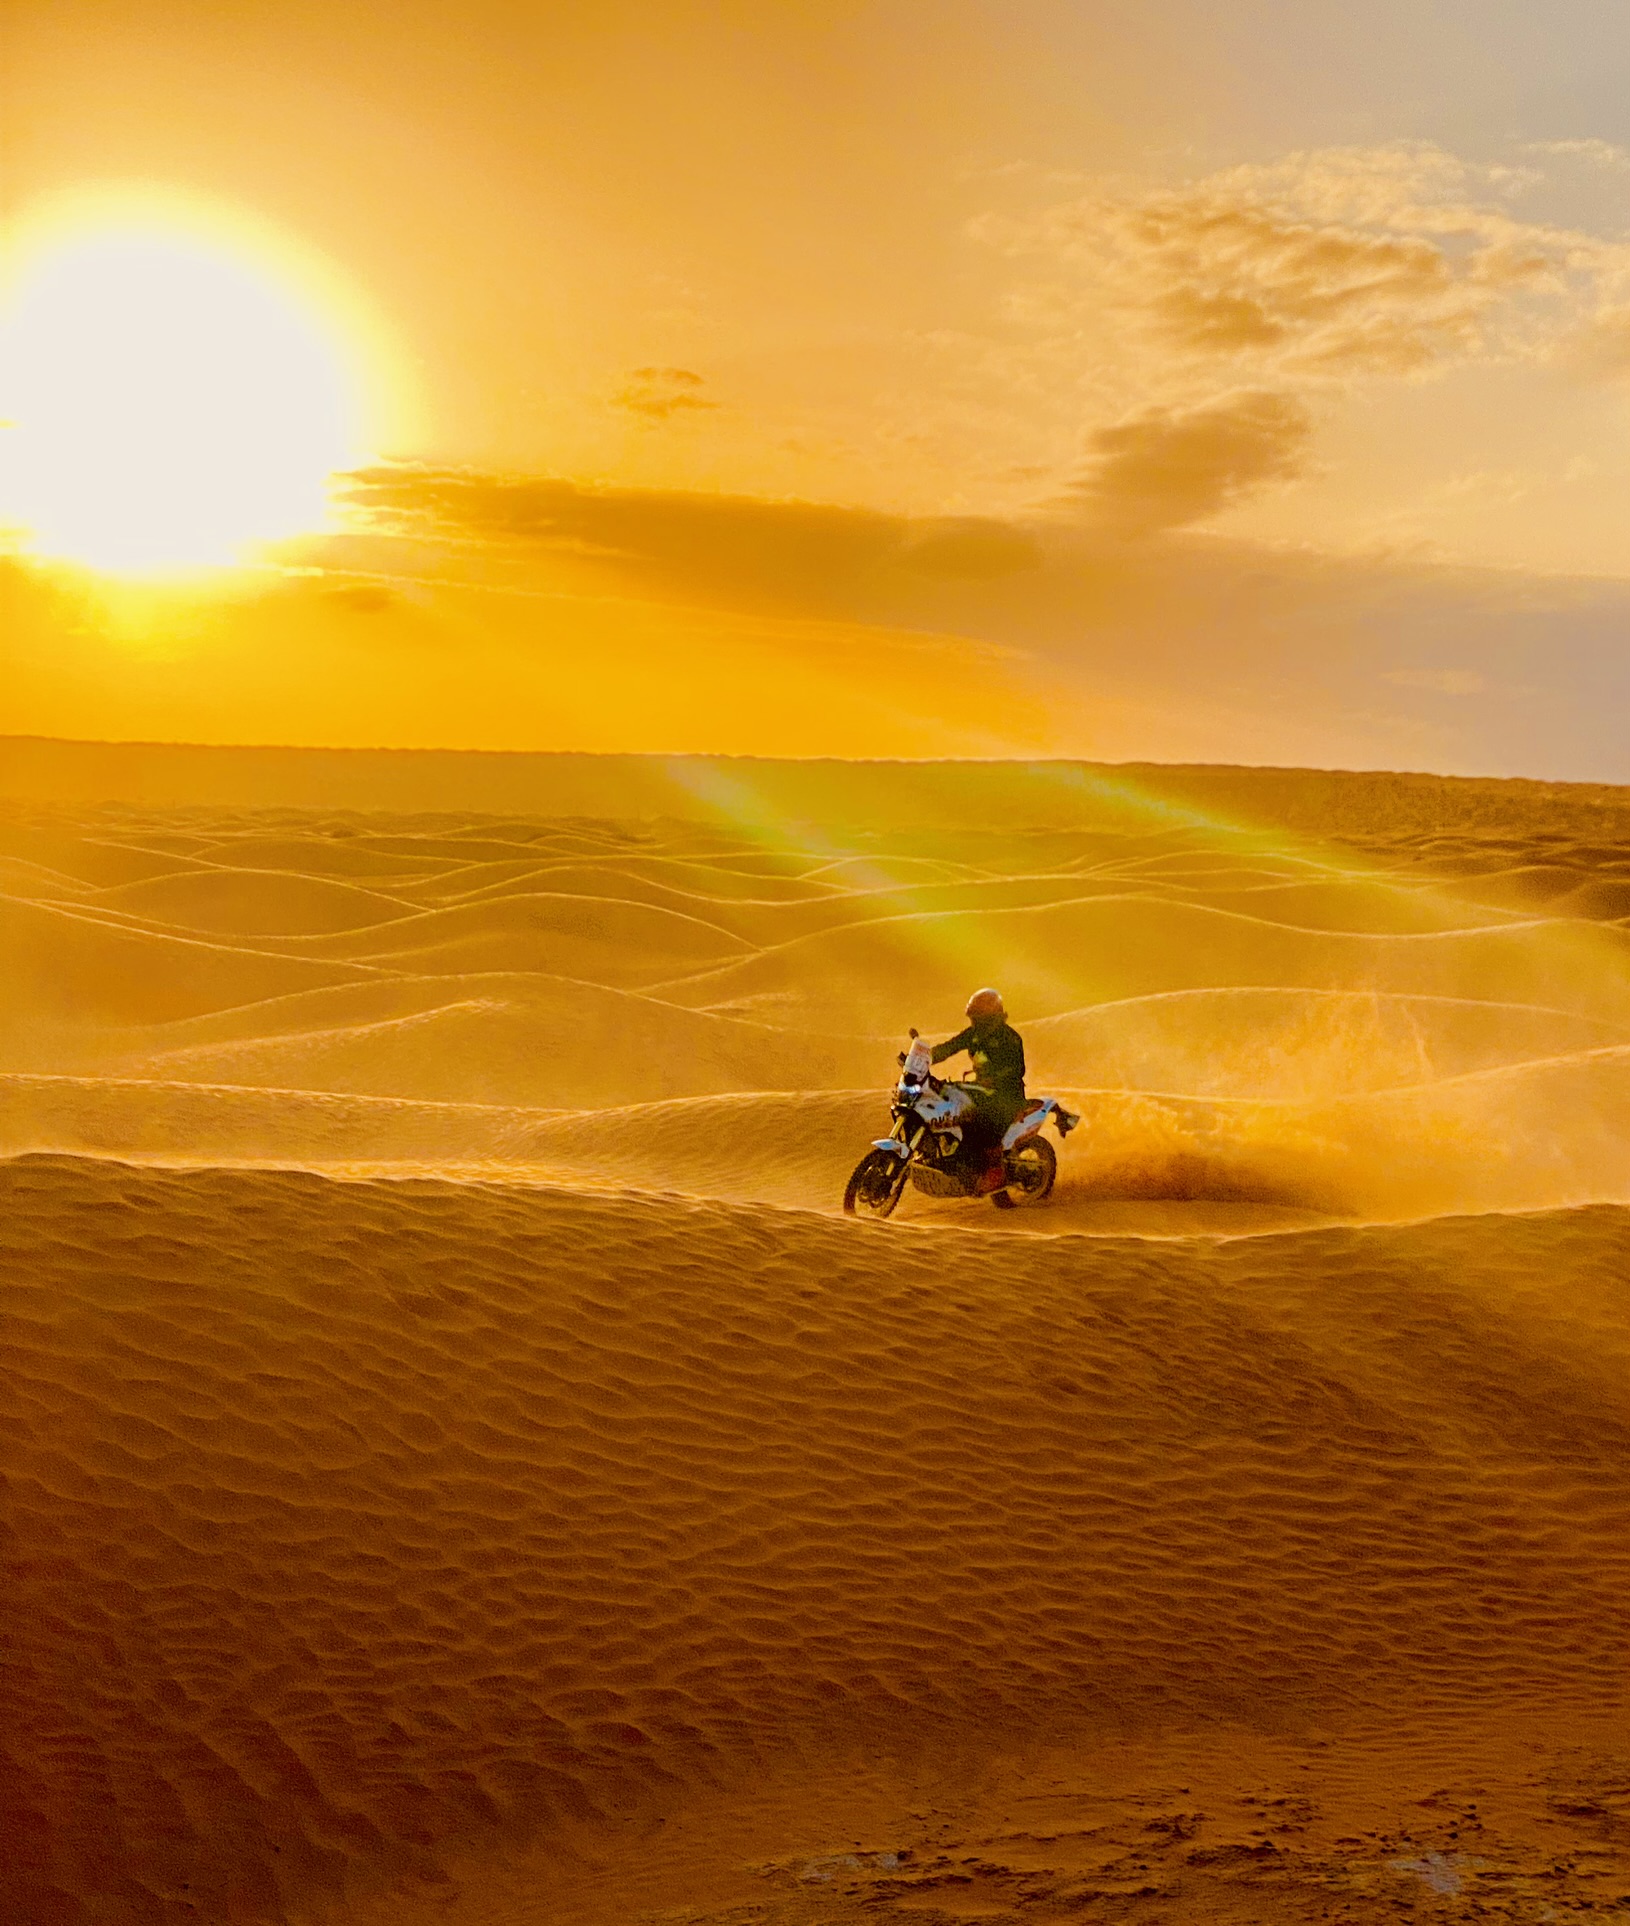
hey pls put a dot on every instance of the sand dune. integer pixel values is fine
(489, 1038)
(1246, 1020)
(233, 901)
(461, 1465)
(191, 1123)
(1531, 1136)
(495, 1050)
(67, 966)
(462, 1512)
(882, 973)
(1298, 1044)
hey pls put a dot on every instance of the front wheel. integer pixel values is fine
(876, 1186)
(1031, 1171)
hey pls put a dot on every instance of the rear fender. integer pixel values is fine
(1050, 1110)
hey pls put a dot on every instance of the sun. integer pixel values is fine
(178, 391)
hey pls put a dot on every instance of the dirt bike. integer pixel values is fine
(926, 1146)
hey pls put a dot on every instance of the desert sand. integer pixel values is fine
(462, 1466)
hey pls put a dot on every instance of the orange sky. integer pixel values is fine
(1107, 379)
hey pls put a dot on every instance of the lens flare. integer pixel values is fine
(174, 395)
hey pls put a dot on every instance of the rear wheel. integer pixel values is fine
(1031, 1171)
(875, 1187)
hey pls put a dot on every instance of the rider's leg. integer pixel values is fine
(982, 1137)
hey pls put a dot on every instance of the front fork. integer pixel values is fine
(903, 1139)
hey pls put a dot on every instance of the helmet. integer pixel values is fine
(984, 1004)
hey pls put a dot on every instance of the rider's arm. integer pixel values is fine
(949, 1048)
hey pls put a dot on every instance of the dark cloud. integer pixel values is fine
(731, 546)
(1168, 467)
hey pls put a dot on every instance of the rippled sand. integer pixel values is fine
(462, 1467)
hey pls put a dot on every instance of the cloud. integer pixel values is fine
(361, 598)
(1224, 276)
(661, 393)
(1171, 644)
(1147, 312)
(967, 548)
(1594, 152)
(1310, 273)
(743, 549)
(1167, 467)
(532, 613)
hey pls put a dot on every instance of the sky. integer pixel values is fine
(1238, 382)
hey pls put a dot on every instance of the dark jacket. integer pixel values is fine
(997, 1051)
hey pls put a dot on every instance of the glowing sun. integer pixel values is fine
(174, 397)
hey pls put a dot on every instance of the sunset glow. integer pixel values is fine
(1174, 382)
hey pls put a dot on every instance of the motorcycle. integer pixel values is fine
(926, 1146)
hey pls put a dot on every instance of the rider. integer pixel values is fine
(997, 1052)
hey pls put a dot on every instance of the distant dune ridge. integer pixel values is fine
(863, 794)
(461, 1465)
